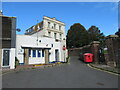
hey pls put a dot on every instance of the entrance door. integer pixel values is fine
(6, 56)
(56, 55)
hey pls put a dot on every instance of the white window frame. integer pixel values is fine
(35, 52)
(40, 53)
(48, 24)
(49, 34)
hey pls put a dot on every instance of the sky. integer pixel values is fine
(104, 15)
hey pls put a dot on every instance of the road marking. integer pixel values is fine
(103, 70)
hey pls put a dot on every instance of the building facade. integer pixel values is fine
(42, 43)
(7, 41)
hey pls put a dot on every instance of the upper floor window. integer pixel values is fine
(51, 45)
(55, 35)
(59, 27)
(60, 36)
(49, 34)
(54, 26)
(33, 27)
(48, 24)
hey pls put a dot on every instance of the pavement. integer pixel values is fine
(106, 68)
(28, 67)
(74, 75)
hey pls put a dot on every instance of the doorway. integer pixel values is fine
(56, 55)
(6, 56)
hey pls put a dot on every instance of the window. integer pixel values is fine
(39, 53)
(51, 45)
(48, 24)
(34, 53)
(55, 35)
(54, 26)
(59, 27)
(60, 36)
(42, 52)
(49, 34)
(29, 52)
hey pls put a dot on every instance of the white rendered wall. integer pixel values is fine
(12, 58)
(45, 42)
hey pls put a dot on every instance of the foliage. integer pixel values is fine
(118, 32)
(77, 36)
(16, 61)
(105, 51)
(96, 35)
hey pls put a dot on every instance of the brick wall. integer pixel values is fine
(92, 48)
(113, 46)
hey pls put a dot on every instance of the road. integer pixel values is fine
(73, 75)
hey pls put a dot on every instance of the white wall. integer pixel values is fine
(12, 58)
(57, 31)
(31, 40)
(22, 40)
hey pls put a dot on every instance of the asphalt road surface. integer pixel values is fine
(73, 75)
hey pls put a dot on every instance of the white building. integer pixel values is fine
(42, 43)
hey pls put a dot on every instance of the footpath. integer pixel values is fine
(106, 68)
(29, 67)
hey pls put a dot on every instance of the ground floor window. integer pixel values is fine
(29, 52)
(34, 53)
(39, 53)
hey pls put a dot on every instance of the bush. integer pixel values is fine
(16, 61)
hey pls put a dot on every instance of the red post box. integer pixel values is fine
(88, 57)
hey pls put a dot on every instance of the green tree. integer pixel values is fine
(118, 32)
(96, 35)
(77, 36)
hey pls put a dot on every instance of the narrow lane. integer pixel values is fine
(74, 75)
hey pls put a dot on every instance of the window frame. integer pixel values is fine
(43, 54)
(34, 53)
(38, 53)
(49, 34)
(60, 27)
(55, 35)
(54, 26)
(48, 24)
